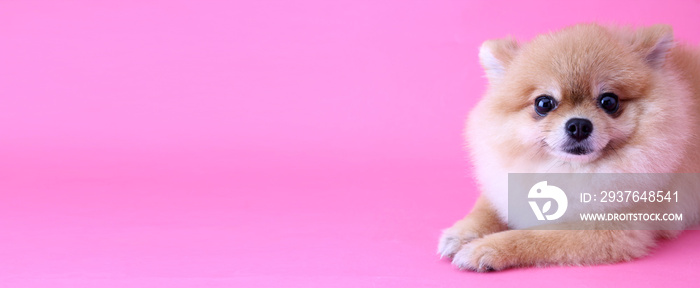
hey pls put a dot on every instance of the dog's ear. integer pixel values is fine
(653, 43)
(496, 55)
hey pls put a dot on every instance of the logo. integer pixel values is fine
(543, 191)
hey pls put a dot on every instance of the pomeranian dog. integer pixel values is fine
(585, 99)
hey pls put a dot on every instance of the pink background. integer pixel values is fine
(263, 143)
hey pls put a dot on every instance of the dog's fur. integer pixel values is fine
(655, 131)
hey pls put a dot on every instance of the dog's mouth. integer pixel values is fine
(578, 150)
(573, 151)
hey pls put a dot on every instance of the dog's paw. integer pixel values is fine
(451, 241)
(481, 256)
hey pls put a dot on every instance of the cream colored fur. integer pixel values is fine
(657, 130)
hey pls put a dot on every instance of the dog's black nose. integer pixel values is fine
(578, 128)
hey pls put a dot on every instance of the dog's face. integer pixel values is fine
(577, 95)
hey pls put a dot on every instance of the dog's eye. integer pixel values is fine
(609, 102)
(544, 104)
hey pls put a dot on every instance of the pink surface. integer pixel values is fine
(263, 143)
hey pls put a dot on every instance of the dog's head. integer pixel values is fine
(579, 93)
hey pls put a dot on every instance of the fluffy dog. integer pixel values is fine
(586, 99)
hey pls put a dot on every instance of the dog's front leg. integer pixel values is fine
(481, 221)
(521, 248)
